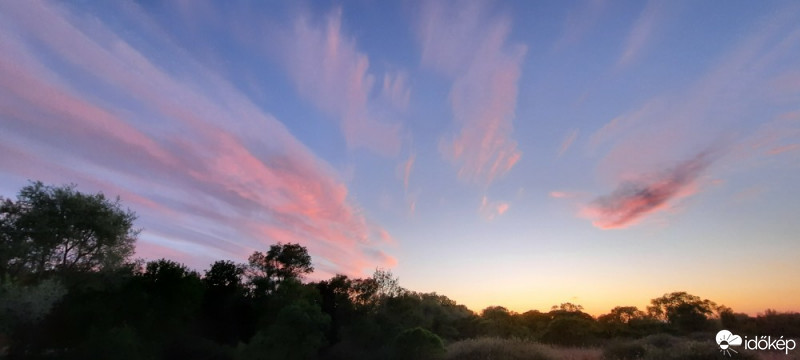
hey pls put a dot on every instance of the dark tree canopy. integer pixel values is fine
(622, 315)
(282, 262)
(58, 228)
(684, 311)
(224, 274)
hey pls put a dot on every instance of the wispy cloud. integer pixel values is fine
(562, 194)
(328, 68)
(492, 209)
(619, 125)
(407, 166)
(396, 90)
(634, 199)
(567, 142)
(641, 32)
(782, 149)
(473, 50)
(211, 171)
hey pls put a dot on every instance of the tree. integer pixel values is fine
(388, 284)
(569, 331)
(684, 311)
(224, 275)
(622, 315)
(621, 321)
(567, 307)
(58, 228)
(280, 263)
(228, 316)
(497, 321)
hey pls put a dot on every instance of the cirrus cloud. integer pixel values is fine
(475, 53)
(328, 68)
(211, 174)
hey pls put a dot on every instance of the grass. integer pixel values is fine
(515, 349)
(654, 347)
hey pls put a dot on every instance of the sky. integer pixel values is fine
(521, 154)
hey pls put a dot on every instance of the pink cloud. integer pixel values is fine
(492, 209)
(211, 170)
(562, 195)
(473, 50)
(567, 142)
(328, 68)
(501, 208)
(783, 149)
(635, 199)
(385, 236)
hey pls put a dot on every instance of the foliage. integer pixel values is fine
(417, 343)
(624, 351)
(496, 348)
(58, 228)
(298, 333)
(685, 312)
(666, 347)
(28, 304)
(387, 285)
(570, 331)
(282, 262)
(623, 321)
(497, 321)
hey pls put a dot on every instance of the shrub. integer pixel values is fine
(418, 343)
(624, 351)
(569, 331)
(660, 341)
(495, 348)
(297, 334)
(698, 350)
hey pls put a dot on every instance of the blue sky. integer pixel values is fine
(513, 153)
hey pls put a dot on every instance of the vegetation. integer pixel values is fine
(70, 290)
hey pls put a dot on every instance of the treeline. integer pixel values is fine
(69, 290)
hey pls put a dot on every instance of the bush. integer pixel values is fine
(624, 351)
(569, 331)
(697, 350)
(666, 347)
(418, 343)
(297, 334)
(494, 348)
(660, 341)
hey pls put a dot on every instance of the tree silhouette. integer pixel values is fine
(58, 228)
(280, 263)
(683, 311)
